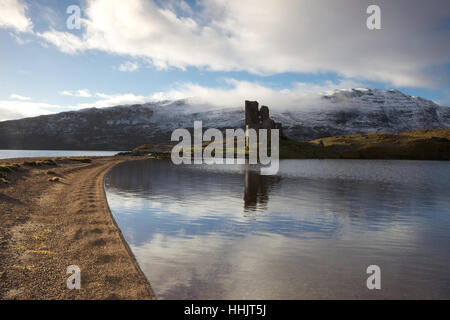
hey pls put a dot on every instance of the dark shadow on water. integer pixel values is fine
(257, 188)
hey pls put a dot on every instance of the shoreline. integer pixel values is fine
(46, 226)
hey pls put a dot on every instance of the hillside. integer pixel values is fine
(336, 113)
(412, 145)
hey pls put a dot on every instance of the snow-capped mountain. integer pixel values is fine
(338, 112)
(348, 111)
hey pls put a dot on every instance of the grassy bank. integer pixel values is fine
(9, 167)
(411, 145)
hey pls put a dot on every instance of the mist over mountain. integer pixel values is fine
(338, 112)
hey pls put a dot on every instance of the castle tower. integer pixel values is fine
(251, 118)
(256, 118)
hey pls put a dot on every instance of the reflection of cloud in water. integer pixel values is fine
(276, 267)
(190, 220)
(219, 232)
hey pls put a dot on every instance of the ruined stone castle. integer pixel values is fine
(259, 118)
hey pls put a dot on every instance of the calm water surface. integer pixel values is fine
(8, 154)
(221, 232)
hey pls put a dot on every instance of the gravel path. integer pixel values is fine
(47, 226)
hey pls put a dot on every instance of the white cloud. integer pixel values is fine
(110, 100)
(65, 41)
(128, 66)
(83, 93)
(268, 37)
(232, 94)
(15, 109)
(19, 40)
(13, 16)
(19, 97)
(236, 92)
(22, 108)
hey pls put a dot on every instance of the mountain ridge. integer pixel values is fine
(333, 113)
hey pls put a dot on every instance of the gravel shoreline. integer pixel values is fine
(46, 226)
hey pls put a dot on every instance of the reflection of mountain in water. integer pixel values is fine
(216, 232)
(308, 199)
(153, 179)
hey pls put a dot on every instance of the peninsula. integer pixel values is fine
(54, 214)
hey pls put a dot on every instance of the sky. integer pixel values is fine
(219, 51)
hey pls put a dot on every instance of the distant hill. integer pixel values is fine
(336, 113)
(411, 145)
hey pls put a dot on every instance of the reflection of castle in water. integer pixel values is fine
(257, 188)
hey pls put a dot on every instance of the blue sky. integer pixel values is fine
(142, 50)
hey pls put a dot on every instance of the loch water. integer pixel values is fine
(309, 232)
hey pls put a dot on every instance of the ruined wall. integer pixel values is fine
(256, 118)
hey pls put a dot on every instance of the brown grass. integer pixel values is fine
(419, 144)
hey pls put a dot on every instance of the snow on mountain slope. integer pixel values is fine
(363, 111)
(332, 113)
(338, 112)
